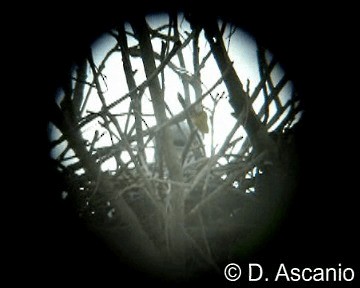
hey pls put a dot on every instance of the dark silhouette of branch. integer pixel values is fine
(99, 70)
(213, 160)
(135, 97)
(79, 89)
(156, 33)
(173, 214)
(140, 88)
(262, 71)
(274, 95)
(197, 76)
(238, 98)
(262, 82)
(174, 220)
(182, 65)
(75, 141)
(140, 28)
(96, 74)
(228, 182)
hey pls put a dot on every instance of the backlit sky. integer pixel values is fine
(242, 51)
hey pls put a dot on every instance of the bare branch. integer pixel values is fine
(238, 98)
(136, 103)
(262, 82)
(213, 160)
(96, 78)
(222, 188)
(182, 65)
(78, 93)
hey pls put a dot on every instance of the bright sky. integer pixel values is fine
(242, 50)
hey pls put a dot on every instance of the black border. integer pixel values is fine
(314, 46)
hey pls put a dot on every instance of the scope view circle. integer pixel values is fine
(174, 140)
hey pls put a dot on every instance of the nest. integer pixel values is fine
(185, 206)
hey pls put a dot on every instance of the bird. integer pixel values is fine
(200, 120)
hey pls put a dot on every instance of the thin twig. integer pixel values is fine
(138, 168)
(139, 88)
(213, 160)
(229, 180)
(135, 98)
(168, 181)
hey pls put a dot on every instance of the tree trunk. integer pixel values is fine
(175, 210)
(239, 99)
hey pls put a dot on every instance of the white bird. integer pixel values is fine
(180, 133)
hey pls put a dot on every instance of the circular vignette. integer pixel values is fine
(174, 141)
